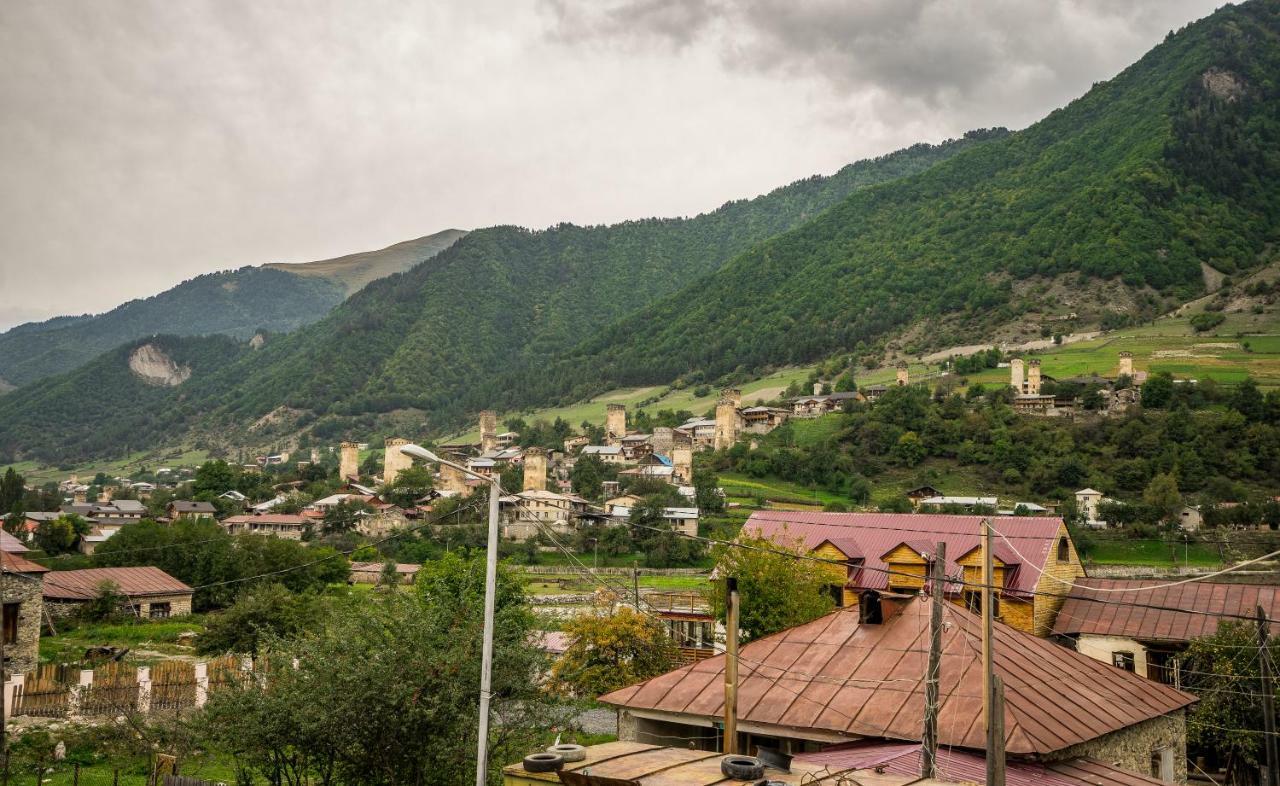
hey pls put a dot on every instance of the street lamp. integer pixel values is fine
(490, 590)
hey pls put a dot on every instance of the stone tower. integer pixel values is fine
(682, 462)
(1016, 374)
(535, 469)
(452, 480)
(902, 374)
(1126, 364)
(349, 461)
(1033, 377)
(663, 440)
(727, 418)
(393, 461)
(615, 423)
(488, 430)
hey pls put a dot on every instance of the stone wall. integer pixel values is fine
(27, 591)
(393, 461)
(1132, 748)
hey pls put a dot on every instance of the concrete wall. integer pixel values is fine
(26, 590)
(1132, 748)
(1103, 647)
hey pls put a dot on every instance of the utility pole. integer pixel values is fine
(929, 759)
(635, 583)
(731, 665)
(1268, 708)
(995, 736)
(987, 573)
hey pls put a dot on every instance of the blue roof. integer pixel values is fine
(666, 462)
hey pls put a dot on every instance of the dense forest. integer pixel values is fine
(235, 302)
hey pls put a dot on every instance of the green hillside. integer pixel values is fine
(234, 302)
(354, 271)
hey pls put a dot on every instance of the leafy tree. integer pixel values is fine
(1163, 497)
(611, 651)
(60, 535)
(390, 577)
(707, 496)
(776, 590)
(267, 613)
(1248, 401)
(1157, 391)
(390, 695)
(411, 485)
(213, 478)
(12, 489)
(344, 516)
(588, 475)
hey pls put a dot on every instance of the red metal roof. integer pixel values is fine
(10, 544)
(83, 584)
(834, 675)
(965, 767)
(1035, 537)
(268, 518)
(1081, 613)
(14, 563)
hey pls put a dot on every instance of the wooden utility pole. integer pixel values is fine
(995, 735)
(731, 665)
(987, 574)
(929, 738)
(1268, 708)
(635, 583)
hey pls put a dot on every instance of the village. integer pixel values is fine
(1093, 669)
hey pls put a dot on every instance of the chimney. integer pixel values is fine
(663, 440)
(1126, 364)
(1033, 377)
(535, 469)
(682, 462)
(349, 461)
(902, 373)
(1016, 374)
(393, 461)
(615, 423)
(488, 430)
(726, 432)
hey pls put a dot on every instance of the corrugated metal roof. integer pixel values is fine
(834, 675)
(267, 518)
(966, 767)
(83, 584)
(14, 563)
(878, 533)
(11, 545)
(1081, 613)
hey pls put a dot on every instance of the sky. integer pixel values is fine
(144, 142)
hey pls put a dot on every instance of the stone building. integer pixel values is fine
(535, 469)
(148, 592)
(728, 419)
(615, 423)
(22, 587)
(488, 430)
(682, 463)
(394, 461)
(349, 461)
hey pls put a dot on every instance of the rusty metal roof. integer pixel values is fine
(14, 563)
(133, 582)
(836, 676)
(967, 767)
(11, 545)
(1081, 613)
(879, 533)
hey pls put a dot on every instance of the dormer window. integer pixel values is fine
(1064, 549)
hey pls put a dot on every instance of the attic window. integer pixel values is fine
(1064, 549)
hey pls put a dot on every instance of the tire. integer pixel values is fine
(570, 753)
(742, 768)
(543, 762)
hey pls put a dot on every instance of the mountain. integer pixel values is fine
(273, 298)
(417, 338)
(355, 270)
(1118, 202)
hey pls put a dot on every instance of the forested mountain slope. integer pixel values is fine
(234, 302)
(1174, 162)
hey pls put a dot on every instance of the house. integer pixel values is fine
(527, 514)
(100, 534)
(682, 520)
(818, 405)
(636, 446)
(609, 454)
(269, 505)
(921, 493)
(969, 504)
(233, 495)
(385, 519)
(625, 501)
(187, 509)
(1149, 641)
(859, 674)
(573, 443)
(281, 525)
(22, 588)
(1087, 501)
(689, 621)
(149, 592)
(762, 420)
(700, 433)
(371, 572)
(1190, 518)
(893, 551)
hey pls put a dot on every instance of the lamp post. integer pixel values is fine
(490, 591)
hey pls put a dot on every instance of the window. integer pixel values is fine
(1122, 660)
(1064, 549)
(1162, 764)
(11, 623)
(160, 611)
(973, 602)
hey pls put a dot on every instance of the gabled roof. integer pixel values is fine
(267, 518)
(11, 545)
(188, 506)
(837, 676)
(15, 563)
(878, 533)
(133, 582)
(1081, 613)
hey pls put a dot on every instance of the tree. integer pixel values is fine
(267, 613)
(1222, 669)
(909, 450)
(1248, 401)
(390, 576)
(214, 478)
(12, 489)
(588, 475)
(777, 589)
(1162, 496)
(59, 536)
(389, 695)
(411, 485)
(344, 516)
(611, 651)
(1157, 391)
(707, 496)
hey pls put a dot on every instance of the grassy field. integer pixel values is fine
(36, 473)
(1148, 553)
(147, 640)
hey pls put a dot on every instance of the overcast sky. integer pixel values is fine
(145, 142)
